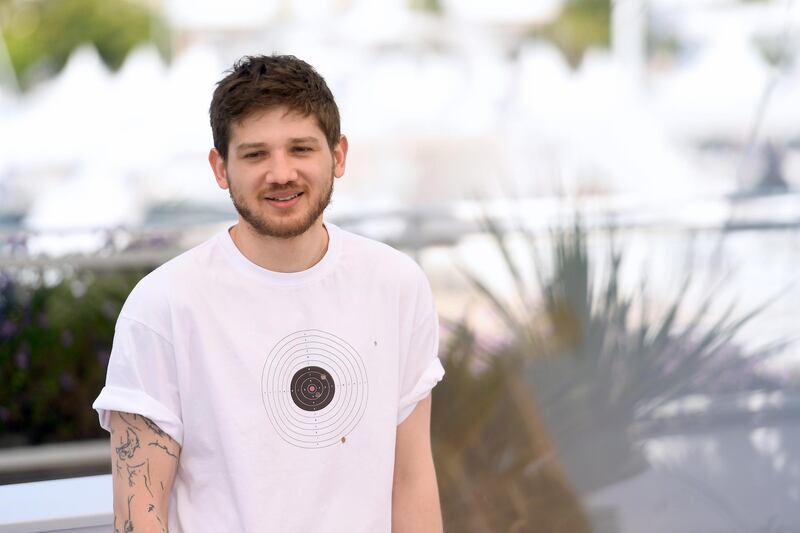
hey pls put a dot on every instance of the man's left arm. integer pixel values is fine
(415, 495)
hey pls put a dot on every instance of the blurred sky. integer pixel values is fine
(463, 99)
(670, 114)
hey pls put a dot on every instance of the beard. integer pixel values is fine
(283, 229)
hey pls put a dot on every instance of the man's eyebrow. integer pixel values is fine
(247, 146)
(299, 140)
(294, 140)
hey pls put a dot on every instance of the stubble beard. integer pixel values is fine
(271, 228)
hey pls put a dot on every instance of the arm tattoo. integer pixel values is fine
(159, 445)
(129, 422)
(129, 442)
(132, 471)
(157, 430)
(127, 448)
(128, 522)
(150, 509)
(147, 479)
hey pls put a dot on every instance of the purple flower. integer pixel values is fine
(109, 309)
(22, 359)
(66, 381)
(102, 358)
(66, 338)
(8, 329)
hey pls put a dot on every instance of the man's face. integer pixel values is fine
(279, 171)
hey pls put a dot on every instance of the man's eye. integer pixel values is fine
(301, 149)
(253, 155)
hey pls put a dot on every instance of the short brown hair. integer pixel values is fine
(258, 83)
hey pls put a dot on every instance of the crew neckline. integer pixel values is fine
(284, 278)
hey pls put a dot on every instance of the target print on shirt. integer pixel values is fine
(314, 387)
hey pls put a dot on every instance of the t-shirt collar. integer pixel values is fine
(284, 278)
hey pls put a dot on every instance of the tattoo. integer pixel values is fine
(128, 443)
(131, 424)
(127, 448)
(153, 427)
(128, 522)
(132, 471)
(147, 479)
(159, 445)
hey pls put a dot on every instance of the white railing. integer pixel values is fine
(75, 505)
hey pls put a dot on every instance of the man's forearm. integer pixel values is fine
(415, 506)
(415, 494)
(144, 463)
(139, 518)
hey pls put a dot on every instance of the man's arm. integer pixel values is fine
(415, 495)
(144, 460)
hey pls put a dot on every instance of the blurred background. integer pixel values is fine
(604, 195)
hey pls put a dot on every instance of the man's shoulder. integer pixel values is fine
(156, 289)
(380, 258)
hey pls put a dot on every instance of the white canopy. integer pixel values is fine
(717, 93)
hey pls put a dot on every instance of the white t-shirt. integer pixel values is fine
(284, 390)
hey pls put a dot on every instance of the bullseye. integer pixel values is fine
(309, 392)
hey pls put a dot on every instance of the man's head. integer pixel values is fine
(277, 145)
(258, 83)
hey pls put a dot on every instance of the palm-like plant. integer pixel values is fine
(521, 428)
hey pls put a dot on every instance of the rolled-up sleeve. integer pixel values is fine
(422, 369)
(141, 378)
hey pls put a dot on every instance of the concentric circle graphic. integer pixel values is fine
(314, 387)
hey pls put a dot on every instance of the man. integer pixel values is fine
(276, 377)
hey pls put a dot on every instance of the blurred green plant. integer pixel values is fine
(55, 341)
(777, 50)
(522, 426)
(580, 25)
(40, 35)
(433, 7)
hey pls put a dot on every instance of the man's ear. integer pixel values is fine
(340, 157)
(217, 163)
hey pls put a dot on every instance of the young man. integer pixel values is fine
(276, 377)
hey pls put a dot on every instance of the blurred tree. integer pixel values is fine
(430, 6)
(41, 34)
(581, 24)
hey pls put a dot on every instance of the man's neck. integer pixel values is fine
(282, 255)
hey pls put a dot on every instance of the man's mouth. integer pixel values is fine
(285, 198)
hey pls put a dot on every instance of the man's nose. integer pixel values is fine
(280, 169)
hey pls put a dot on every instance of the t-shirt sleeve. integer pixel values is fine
(422, 369)
(141, 378)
